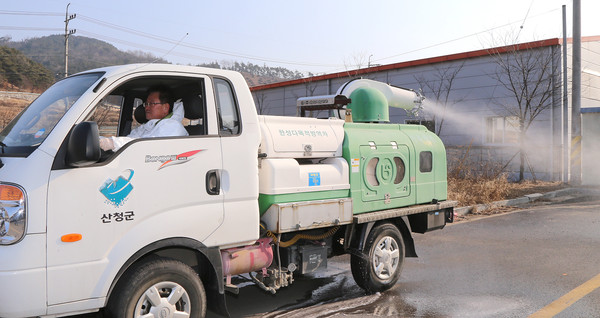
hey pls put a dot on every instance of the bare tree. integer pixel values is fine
(438, 91)
(310, 86)
(529, 75)
(357, 62)
(260, 99)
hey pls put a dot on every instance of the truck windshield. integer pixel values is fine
(29, 129)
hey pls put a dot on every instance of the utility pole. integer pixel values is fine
(576, 97)
(565, 125)
(67, 34)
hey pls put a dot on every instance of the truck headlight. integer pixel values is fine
(13, 218)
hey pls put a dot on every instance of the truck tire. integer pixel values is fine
(158, 287)
(378, 267)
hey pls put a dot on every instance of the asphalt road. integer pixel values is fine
(509, 265)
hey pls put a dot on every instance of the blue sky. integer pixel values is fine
(320, 36)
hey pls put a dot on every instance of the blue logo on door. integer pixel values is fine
(116, 191)
(314, 179)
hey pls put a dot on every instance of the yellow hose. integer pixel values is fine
(301, 236)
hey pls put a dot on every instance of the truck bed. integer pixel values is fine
(306, 215)
(393, 213)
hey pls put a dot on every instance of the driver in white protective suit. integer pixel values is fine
(164, 119)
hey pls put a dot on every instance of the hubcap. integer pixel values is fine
(164, 300)
(386, 257)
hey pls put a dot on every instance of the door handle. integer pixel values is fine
(213, 182)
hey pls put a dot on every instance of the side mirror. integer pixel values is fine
(84, 145)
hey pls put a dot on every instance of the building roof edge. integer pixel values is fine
(431, 60)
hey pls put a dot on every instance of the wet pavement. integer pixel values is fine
(508, 265)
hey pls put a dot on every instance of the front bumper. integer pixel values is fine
(23, 278)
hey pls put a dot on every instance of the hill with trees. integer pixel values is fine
(17, 71)
(87, 53)
(84, 54)
(258, 75)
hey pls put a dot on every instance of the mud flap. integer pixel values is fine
(216, 302)
(215, 289)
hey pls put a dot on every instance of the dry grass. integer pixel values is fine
(471, 190)
(10, 108)
(488, 184)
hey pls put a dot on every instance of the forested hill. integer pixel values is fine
(87, 53)
(17, 71)
(84, 54)
(258, 75)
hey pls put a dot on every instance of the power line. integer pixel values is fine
(525, 19)
(30, 13)
(121, 41)
(16, 28)
(590, 50)
(197, 47)
(461, 38)
(142, 46)
(35, 55)
(215, 50)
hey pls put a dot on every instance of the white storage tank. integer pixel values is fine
(284, 180)
(301, 137)
(279, 176)
(302, 160)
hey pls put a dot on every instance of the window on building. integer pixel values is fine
(502, 130)
(429, 124)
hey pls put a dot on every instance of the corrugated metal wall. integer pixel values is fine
(475, 96)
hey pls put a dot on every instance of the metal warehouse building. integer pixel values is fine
(478, 103)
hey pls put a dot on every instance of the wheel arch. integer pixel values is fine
(206, 261)
(403, 226)
(401, 223)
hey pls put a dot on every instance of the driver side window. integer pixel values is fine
(106, 115)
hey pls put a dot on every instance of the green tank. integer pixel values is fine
(394, 165)
(384, 166)
(369, 105)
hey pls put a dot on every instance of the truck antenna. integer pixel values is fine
(171, 50)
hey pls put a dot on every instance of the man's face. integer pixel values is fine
(154, 108)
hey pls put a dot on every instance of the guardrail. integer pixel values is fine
(19, 95)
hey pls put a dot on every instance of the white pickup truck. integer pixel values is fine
(160, 227)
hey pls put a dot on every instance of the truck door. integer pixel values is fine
(151, 189)
(239, 177)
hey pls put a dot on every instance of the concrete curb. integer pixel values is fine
(575, 191)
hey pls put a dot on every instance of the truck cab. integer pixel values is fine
(73, 218)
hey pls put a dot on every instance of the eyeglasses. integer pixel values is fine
(151, 104)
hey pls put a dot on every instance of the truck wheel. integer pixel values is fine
(378, 266)
(158, 287)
